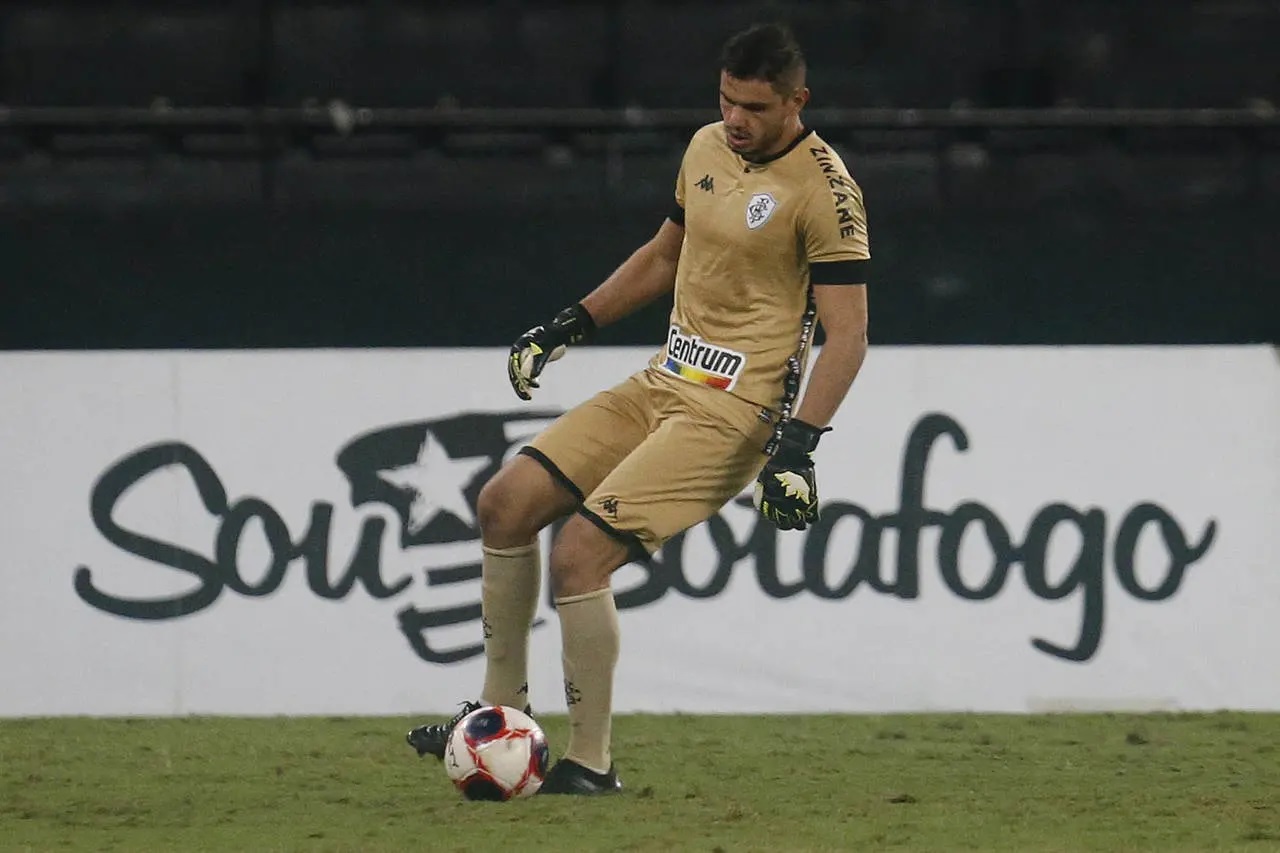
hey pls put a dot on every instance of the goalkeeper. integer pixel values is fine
(767, 237)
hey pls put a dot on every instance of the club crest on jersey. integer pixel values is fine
(692, 358)
(759, 209)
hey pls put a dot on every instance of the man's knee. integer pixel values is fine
(518, 502)
(494, 505)
(583, 557)
(503, 512)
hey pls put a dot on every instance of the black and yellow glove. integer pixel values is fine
(541, 345)
(786, 491)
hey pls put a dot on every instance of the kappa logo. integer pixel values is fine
(759, 209)
(707, 184)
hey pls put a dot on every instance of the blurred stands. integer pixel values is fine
(503, 53)
(469, 119)
(304, 87)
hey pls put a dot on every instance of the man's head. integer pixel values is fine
(761, 89)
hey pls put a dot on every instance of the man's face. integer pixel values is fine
(756, 117)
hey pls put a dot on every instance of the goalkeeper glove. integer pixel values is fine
(786, 491)
(541, 345)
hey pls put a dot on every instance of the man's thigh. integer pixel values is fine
(584, 444)
(694, 463)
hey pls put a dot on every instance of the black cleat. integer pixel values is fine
(570, 777)
(433, 739)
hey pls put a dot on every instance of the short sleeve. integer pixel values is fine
(676, 214)
(680, 181)
(834, 230)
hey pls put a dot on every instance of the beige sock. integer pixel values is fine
(589, 637)
(508, 597)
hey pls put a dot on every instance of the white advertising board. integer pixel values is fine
(294, 533)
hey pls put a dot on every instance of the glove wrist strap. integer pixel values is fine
(576, 324)
(801, 436)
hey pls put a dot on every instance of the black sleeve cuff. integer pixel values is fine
(840, 272)
(676, 215)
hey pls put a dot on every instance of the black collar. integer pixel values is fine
(808, 131)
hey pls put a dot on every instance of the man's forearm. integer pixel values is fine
(833, 373)
(641, 279)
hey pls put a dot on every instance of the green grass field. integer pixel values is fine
(934, 782)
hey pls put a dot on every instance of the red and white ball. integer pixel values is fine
(497, 753)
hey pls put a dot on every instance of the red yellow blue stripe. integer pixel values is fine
(702, 377)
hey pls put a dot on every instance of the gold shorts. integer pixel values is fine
(654, 455)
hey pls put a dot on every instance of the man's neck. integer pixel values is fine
(785, 142)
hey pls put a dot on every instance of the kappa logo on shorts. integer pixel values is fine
(690, 357)
(759, 209)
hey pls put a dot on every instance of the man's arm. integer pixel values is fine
(842, 310)
(786, 491)
(649, 273)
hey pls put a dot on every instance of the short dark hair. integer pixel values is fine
(766, 52)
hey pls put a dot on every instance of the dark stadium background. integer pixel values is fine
(285, 174)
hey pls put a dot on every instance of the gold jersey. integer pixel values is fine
(757, 236)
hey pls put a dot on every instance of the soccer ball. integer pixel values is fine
(496, 753)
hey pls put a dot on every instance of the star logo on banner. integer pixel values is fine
(437, 483)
